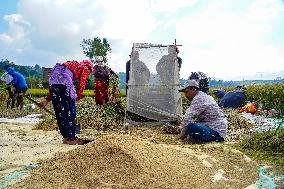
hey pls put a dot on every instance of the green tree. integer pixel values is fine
(96, 47)
(2, 63)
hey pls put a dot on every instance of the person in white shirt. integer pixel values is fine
(204, 120)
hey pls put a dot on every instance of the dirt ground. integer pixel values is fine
(21, 148)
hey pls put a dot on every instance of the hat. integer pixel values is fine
(99, 59)
(189, 83)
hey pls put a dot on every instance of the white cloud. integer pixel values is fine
(6, 38)
(227, 45)
(126, 22)
(15, 19)
(218, 37)
(89, 22)
(56, 28)
(17, 25)
(170, 5)
(133, 23)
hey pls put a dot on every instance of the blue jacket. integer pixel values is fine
(18, 81)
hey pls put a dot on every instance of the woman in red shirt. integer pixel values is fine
(64, 95)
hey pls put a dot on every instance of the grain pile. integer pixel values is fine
(47, 123)
(238, 126)
(93, 116)
(89, 115)
(170, 129)
(123, 161)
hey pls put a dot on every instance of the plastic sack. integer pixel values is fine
(232, 99)
(6, 78)
(250, 107)
(219, 93)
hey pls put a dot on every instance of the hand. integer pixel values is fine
(111, 98)
(182, 134)
(180, 118)
(43, 102)
(94, 101)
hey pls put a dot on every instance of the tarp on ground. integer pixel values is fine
(219, 93)
(233, 99)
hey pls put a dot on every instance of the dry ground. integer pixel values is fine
(139, 158)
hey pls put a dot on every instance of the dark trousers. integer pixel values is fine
(203, 133)
(20, 93)
(65, 110)
(11, 100)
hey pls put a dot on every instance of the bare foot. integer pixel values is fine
(65, 140)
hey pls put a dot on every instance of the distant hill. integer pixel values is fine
(122, 78)
(263, 76)
(27, 71)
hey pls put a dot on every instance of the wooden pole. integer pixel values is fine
(51, 113)
(175, 43)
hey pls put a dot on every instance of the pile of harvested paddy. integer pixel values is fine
(238, 126)
(123, 161)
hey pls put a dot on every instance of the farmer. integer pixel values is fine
(11, 97)
(102, 74)
(204, 120)
(201, 79)
(20, 84)
(63, 95)
(179, 60)
(127, 73)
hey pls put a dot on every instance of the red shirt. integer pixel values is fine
(80, 71)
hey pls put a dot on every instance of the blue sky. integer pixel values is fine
(226, 39)
(6, 7)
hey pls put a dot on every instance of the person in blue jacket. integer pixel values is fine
(19, 82)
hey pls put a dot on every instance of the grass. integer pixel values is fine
(265, 146)
(43, 92)
(269, 95)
